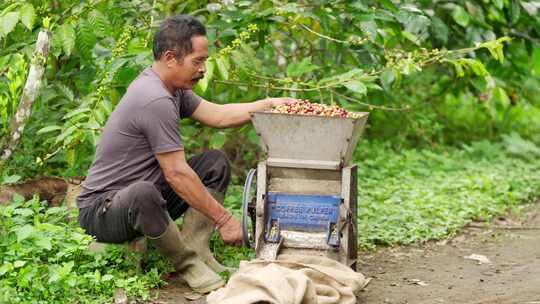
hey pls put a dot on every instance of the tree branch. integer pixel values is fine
(29, 95)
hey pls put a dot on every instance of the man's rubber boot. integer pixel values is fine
(186, 262)
(196, 232)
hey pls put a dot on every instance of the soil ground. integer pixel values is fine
(437, 272)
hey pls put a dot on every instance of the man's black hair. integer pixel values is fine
(175, 34)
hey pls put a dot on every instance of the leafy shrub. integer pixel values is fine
(45, 259)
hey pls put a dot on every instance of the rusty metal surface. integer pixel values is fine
(308, 155)
(350, 206)
(309, 181)
(304, 181)
(308, 141)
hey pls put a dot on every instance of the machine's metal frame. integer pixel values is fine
(345, 187)
(308, 156)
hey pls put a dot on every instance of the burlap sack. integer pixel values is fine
(291, 279)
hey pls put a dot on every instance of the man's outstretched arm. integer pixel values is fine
(187, 184)
(233, 114)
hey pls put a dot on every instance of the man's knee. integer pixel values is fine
(145, 197)
(148, 210)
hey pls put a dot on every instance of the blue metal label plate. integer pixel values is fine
(303, 212)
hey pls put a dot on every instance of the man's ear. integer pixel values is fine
(169, 57)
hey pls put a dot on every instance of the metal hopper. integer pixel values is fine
(308, 141)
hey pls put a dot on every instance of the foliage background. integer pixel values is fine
(452, 134)
(389, 58)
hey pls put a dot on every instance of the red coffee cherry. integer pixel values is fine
(304, 107)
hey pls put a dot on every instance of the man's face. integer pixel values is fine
(187, 71)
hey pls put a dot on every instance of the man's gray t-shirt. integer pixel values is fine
(144, 123)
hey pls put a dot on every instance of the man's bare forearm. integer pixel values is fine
(237, 114)
(190, 188)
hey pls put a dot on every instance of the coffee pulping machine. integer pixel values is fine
(305, 199)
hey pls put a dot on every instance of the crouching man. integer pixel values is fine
(140, 181)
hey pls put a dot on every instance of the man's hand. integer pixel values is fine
(278, 101)
(231, 232)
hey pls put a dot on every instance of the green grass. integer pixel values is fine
(414, 196)
(45, 259)
(405, 197)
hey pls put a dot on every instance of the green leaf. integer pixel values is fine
(498, 4)
(48, 129)
(500, 97)
(67, 267)
(8, 22)
(70, 156)
(480, 83)
(356, 86)
(515, 11)
(299, 68)
(414, 22)
(389, 5)
(44, 242)
(106, 105)
(495, 47)
(11, 179)
(341, 78)
(54, 273)
(65, 91)
(66, 35)
(19, 264)
(18, 199)
(369, 28)
(387, 78)
(478, 68)
(458, 66)
(535, 61)
(6, 268)
(461, 16)
(24, 232)
(99, 23)
(92, 124)
(530, 7)
(65, 134)
(23, 212)
(245, 59)
(47, 22)
(373, 86)
(28, 15)
(76, 112)
(439, 29)
(516, 145)
(217, 140)
(107, 277)
(86, 38)
(222, 67)
(411, 37)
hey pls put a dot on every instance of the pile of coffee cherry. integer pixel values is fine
(304, 107)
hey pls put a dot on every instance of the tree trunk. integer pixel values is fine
(29, 95)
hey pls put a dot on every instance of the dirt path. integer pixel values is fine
(512, 246)
(438, 272)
